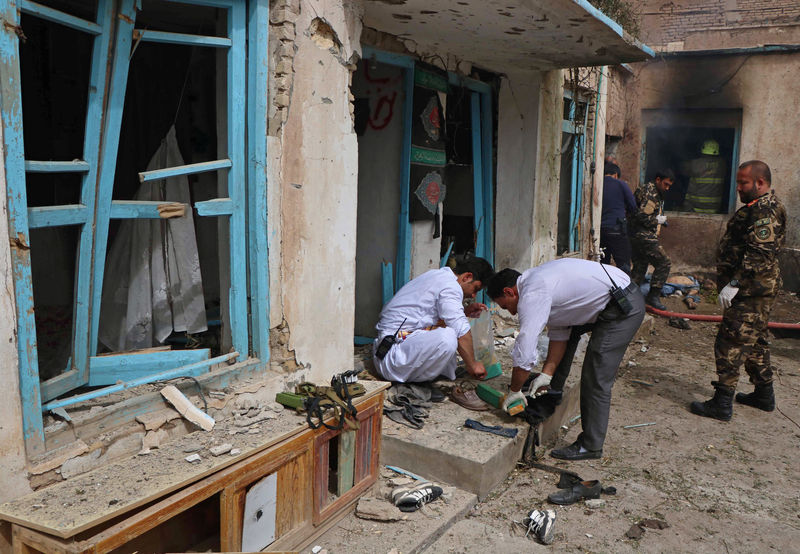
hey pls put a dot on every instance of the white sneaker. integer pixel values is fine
(541, 523)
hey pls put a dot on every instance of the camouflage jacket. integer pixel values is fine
(748, 252)
(650, 204)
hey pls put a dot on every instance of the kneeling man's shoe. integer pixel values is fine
(583, 489)
(575, 451)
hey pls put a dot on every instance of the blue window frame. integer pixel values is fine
(243, 208)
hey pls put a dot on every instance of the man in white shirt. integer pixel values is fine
(570, 296)
(429, 324)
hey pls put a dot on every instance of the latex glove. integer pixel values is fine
(512, 397)
(542, 380)
(661, 219)
(726, 295)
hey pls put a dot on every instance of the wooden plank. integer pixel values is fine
(295, 495)
(257, 182)
(214, 207)
(231, 514)
(60, 17)
(75, 166)
(347, 459)
(28, 541)
(14, 166)
(106, 370)
(147, 35)
(188, 169)
(57, 216)
(174, 474)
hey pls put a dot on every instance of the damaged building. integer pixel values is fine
(220, 195)
(724, 75)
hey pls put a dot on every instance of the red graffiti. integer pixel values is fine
(378, 120)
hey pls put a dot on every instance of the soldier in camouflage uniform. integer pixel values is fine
(748, 278)
(643, 230)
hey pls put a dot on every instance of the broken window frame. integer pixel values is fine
(576, 125)
(245, 207)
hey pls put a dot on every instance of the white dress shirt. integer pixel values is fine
(423, 301)
(560, 294)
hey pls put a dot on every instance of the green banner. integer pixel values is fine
(427, 157)
(429, 80)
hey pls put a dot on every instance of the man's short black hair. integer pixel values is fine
(758, 169)
(505, 278)
(612, 169)
(481, 269)
(665, 173)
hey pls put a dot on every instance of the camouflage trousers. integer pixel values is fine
(646, 251)
(742, 336)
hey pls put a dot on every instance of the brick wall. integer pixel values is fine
(664, 22)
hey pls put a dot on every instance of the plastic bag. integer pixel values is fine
(483, 343)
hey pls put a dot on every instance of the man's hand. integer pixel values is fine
(726, 295)
(475, 309)
(477, 370)
(661, 219)
(543, 380)
(512, 397)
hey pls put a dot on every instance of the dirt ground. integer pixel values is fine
(720, 487)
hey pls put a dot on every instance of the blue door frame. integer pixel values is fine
(483, 173)
(245, 207)
(578, 130)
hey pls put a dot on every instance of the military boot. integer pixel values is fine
(653, 298)
(763, 398)
(720, 406)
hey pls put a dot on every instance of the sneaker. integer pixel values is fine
(410, 498)
(542, 524)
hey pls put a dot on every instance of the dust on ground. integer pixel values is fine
(719, 486)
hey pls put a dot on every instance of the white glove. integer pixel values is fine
(726, 295)
(512, 397)
(542, 380)
(661, 219)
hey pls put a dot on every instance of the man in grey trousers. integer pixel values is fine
(571, 297)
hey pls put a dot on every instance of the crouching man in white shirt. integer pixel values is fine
(426, 323)
(571, 297)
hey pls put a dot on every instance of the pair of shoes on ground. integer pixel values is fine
(410, 498)
(467, 398)
(576, 451)
(542, 524)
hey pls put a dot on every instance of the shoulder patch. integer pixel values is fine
(762, 222)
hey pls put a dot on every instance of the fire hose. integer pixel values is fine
(717, 318)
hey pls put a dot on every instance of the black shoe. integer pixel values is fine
(584, 489)
(653, 298)
(436, 394)
(763, 398)
(573, 452)
(720, 406)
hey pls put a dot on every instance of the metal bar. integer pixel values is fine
(478, 222)
(237, 97)
(189, 169)
(57, 216)
(191, 370)
(75, 166)
(14, 166)
(215, 207)
(60, 17)
(136, 209)
(257, 176)
(146, 35)
(403, 274)
(108, 157)
(107, 370)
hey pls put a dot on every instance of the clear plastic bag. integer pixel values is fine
(483, 343)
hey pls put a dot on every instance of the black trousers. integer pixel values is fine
(615, 244)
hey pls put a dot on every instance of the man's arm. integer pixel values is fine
(555, 351)
(465, 349)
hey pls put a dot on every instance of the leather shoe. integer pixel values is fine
(573, 452)
(584, 489)
(468, 399)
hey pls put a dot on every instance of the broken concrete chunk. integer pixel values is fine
(654, 523)
(193, 458)
(378, 510)
(192, 447)
(595, 503)
(153, 439)
(221, 449)
(154, 420)
(235, 452)
(187, 409)
(635, 532)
